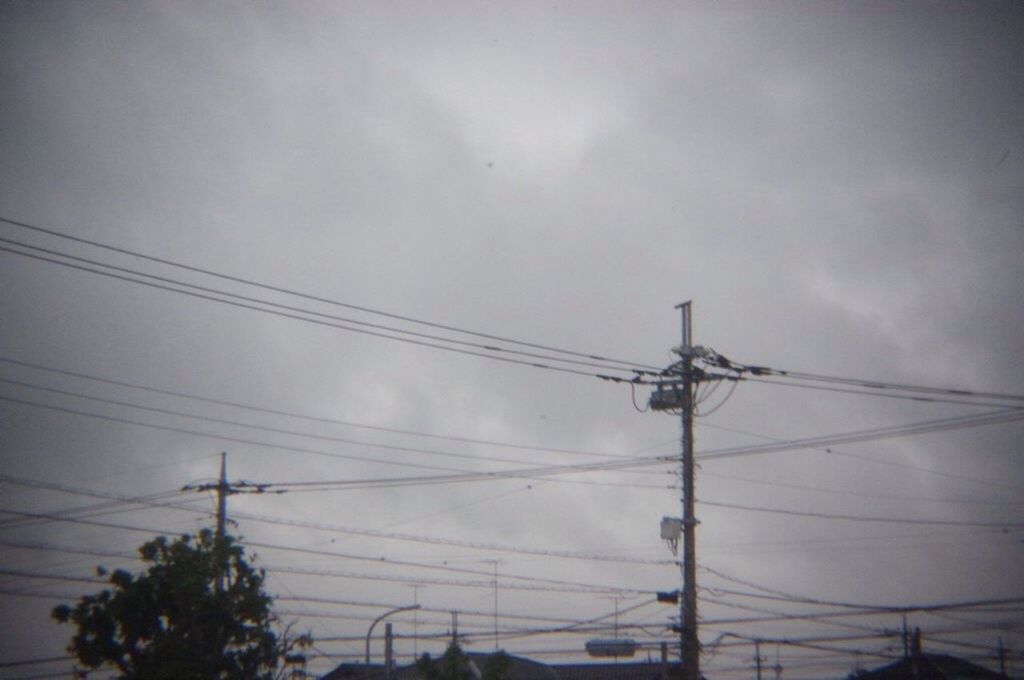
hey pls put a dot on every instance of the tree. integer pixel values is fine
(198, 611)
(454, 665)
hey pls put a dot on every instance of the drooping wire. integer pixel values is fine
(717, 360)
(292, 414)
(278, 289)
(244, 302)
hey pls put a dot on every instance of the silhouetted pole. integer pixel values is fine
(675, 395)
(688, 603)
(222, 518)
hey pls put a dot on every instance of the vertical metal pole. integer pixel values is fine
(757, 657)
(389, 651)
(688, 603)
(222, 511)
(416, 622)
(495, 605)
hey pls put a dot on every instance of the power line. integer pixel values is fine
(314, 298)
(275, 430)
(496, 547)
(436, 567)
(873, 611)
(434, 581)
(543, 471)
(147, 499)
(589, 358)
(861, 494)
(220, 437)
(540, 583)
(829, 449)
(472, 545)
(320, 321)
(34, 662)
(291, 414)
(861, 518)
(50, 577)
(870, 393)
(916, 428)
(879, 385)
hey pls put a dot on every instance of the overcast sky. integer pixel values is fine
(836, 187)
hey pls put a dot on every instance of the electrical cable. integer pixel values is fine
(275, 430)
(291, 414)
(330, 324)
(564, 554)
(816, 442)
(861, 518)
(464, 475)
(589, 358)
(557, 585)
(878, 385)
(861, 494)
(277, 289)
(841, 390)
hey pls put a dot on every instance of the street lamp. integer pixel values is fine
(377, 620)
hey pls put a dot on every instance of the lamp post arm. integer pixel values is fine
(380, 618)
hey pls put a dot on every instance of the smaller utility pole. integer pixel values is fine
(416, 621)
(389, 651)
(495, 604)
(757, 658)
(223, 489)
(906, 639)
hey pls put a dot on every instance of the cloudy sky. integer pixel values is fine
(836, 187)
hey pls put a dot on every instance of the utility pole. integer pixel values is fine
(416, 620)
(690, 641)
(676, 395)
(757, 658)
(495, 563)
(389, 651)
(224, 489)
(906, 639)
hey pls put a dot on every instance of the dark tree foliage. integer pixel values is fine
(172, 621)
(454, 665)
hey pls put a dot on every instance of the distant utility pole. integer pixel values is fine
(223, 490)
(495, 564)
(677, 396)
